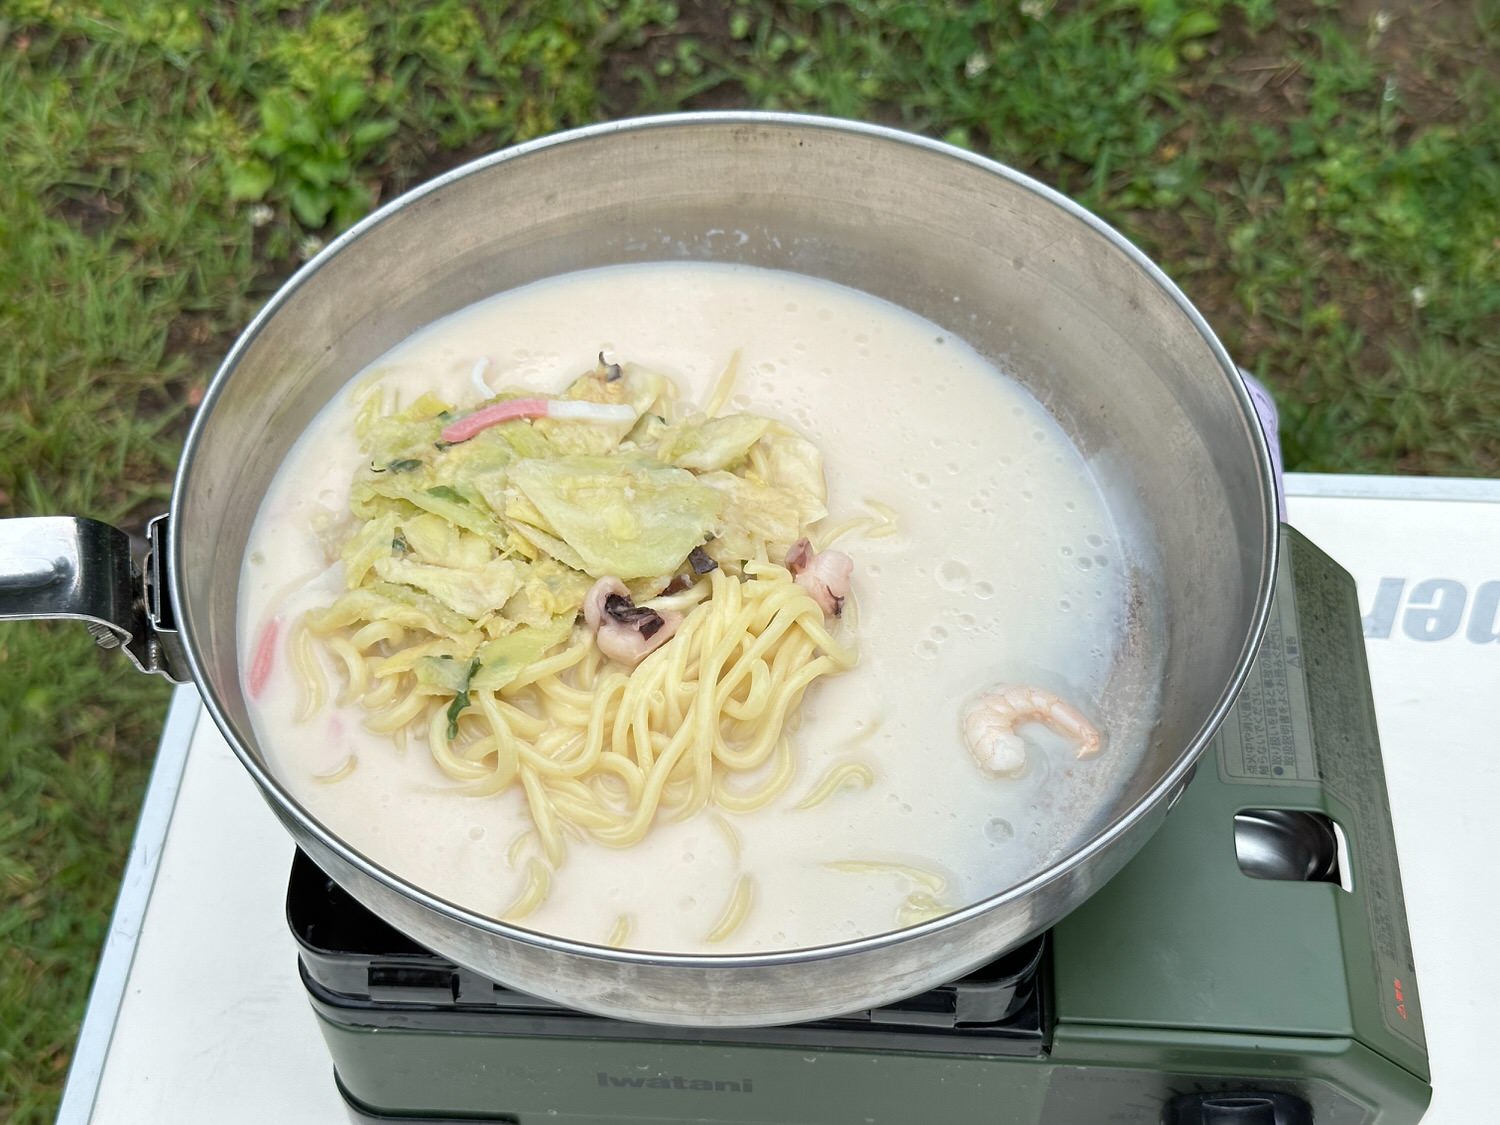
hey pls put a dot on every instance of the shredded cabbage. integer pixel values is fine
(482, 550)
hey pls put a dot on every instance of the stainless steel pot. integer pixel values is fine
(1099, 334)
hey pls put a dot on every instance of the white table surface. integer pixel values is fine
(197, 1014)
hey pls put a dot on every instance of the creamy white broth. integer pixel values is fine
(1007, 568)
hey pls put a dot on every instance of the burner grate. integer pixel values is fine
(363, 973)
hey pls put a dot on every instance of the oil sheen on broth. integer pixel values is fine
(1007, 568)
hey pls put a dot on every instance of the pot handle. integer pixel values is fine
(69, 567)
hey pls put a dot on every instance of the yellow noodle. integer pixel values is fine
(572, 788)
(929, 879)
(481, 749)
(839, 777)
(832, 535)
(724, 387)
(550, 666)
(398, 715)
(919, 906)
(756, 695)
(357, 671)
(382, 695)
(452, 764)
(880, 524)
(518, 845)
(782, 700)
(344, 770)
(731, 835)
(309, 673)
(533, 893)
(583, 812)
(563, 697)
(377, 632)
(369, 400)
(498, 780)
(741, 899)
(620, 934)
(682, 600)
(542, 813)
(601, 752)
(588, 671)
(524, 725)
(618, 767)
(764, 793)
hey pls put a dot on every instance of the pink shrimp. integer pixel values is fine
(823, 574)
(991, 720)
(265, 657)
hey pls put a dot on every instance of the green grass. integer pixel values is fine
(1320, 183)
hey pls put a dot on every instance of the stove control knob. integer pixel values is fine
(1237, 1109)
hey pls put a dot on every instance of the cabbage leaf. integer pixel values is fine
(441, 675)
(432, 539)
(407, 432)
(705, 444)
(795, 465)
(500, 661)
(460, 648)
(365, 547)
(474, 592)
(754, 514)
(386, 601)
(624, 515)
(551, 589)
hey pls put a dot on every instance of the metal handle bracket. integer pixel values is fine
(66, 567)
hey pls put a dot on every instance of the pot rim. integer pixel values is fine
(1166, 786)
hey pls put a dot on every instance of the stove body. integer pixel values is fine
(1252, 966)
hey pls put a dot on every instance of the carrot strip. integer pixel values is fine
(265, 657)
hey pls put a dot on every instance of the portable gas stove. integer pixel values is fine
(1251, 966)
